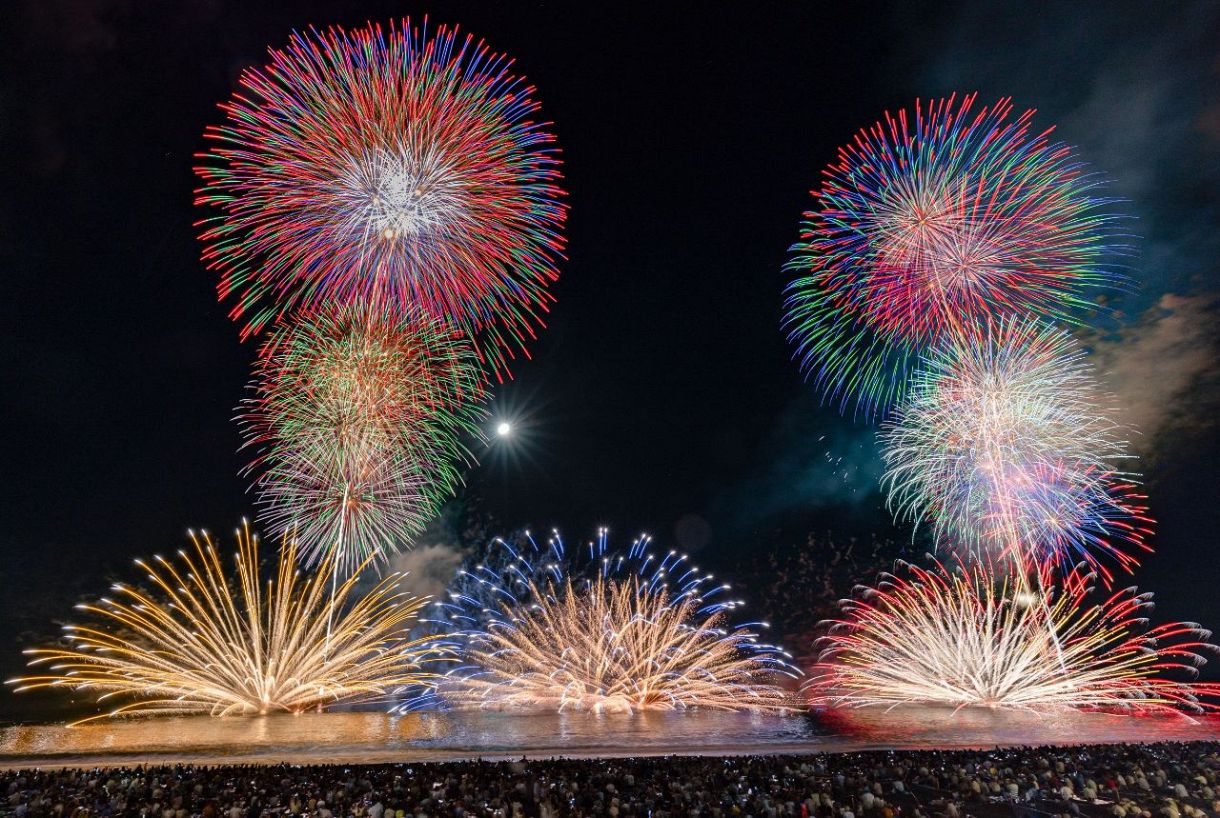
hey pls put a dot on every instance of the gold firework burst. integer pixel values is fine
(194, 643)
(616, 645)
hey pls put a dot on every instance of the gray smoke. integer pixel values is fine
(432, 560)
(429, 568)
(1133, 86)
(1163, 369)
(812, 459)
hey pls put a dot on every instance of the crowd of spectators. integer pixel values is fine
(1166, 780)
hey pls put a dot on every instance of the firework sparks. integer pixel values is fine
(631, 632)
(358, 419)
(394, 167)
(935, 221)
(1004, 444)
(194, 644)
(973, 640)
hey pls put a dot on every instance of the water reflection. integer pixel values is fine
(221, 737)
(913, 726)
(372, 737)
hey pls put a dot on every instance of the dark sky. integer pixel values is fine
(662, 389)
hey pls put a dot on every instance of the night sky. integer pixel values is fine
(662, 395)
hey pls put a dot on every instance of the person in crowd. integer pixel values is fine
(1166, 780)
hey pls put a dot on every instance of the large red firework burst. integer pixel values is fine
(934, 220)
(396, 166)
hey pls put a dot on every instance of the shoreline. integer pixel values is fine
(313, 757)
(379, 738)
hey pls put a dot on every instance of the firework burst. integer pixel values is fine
(195, 644)
(630, 632)
(398, 167)
(971, 639)
(940, 219)
(358, 420)
(1005, 445)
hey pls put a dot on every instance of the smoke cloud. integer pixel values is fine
(429, 568)
(1133, 87)
(811, 461)
(1163, 369)
(434, 558)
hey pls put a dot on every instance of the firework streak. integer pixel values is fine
(358, 419)
(974, 639)
(1006, 446)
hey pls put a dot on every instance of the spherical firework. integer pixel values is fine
(971, 639)
(627, 633)
(936, 221)
(358, 501)
(359, 418)
(194, 643)
(1006, 447)
(397, 167)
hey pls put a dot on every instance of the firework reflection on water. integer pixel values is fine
(370, 737)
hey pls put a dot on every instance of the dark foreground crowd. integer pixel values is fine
(1168, 780)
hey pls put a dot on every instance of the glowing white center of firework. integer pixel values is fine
(1006, 445)
(504, 429)
(930, 236)
(401, 194)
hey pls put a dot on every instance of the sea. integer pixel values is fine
(376, 737)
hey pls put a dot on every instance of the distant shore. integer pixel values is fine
(369, 758)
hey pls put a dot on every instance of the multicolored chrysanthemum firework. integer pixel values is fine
(974, 639)
(195, 643)
(933, 221)
(1006, 447)
(625, 633)
(359, 419)
(397, 167)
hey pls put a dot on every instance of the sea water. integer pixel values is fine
(374, 737)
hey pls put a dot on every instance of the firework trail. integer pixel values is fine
(936, 220)
(628, 632)
(358, 420)
(194, 643)
(972, 639)
(1005, 445)
(397, 167)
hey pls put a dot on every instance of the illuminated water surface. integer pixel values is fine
(377, 737)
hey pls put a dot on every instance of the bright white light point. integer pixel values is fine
(504, 429)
